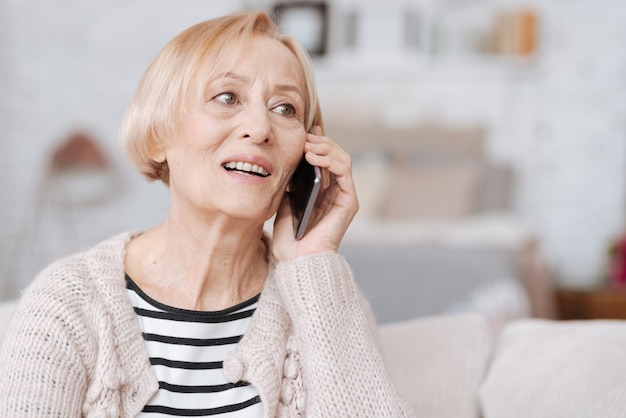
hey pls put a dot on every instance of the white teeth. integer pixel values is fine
(246, 167)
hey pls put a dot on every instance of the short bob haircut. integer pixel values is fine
(182, 69)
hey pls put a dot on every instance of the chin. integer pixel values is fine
(244, 213)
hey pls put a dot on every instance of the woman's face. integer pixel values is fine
(236, 150)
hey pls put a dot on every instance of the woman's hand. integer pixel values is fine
(335, 207)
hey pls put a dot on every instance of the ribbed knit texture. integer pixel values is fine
(74, 347)
(337, 345)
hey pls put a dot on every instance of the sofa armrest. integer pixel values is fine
(437, 363)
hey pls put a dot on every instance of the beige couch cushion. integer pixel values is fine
(437, 363)
(431, 191)
(553, 369)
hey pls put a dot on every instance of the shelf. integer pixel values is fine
(402, 67)
(600, 303)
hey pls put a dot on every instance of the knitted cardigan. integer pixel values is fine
(74, 347)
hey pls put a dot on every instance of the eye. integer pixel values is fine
(227, 98)
(286, 109)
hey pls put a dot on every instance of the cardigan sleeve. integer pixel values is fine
(342, 366)
(40, 368)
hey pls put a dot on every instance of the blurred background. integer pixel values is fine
(488, 137)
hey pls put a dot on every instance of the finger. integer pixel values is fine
(319, 147)
(316, 130)
(336, 161)
(323, 146)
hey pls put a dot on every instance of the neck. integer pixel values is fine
(201, 267)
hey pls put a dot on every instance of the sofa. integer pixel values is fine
(455, 366)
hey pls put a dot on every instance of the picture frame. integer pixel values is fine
(305, 21)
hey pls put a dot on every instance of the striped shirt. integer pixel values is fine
(187, 349)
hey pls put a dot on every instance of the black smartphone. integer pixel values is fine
(303, 191)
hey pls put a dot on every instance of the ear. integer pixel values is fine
(159, 156)
(157, 152)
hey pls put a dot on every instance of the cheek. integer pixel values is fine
(290, 156)
(178, 166)
(293, 149)
(187, 164)
(294, 156)
(295, 159)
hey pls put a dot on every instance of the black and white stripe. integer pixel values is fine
(187, 350)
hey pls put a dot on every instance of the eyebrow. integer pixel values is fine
(230, 74)
(245, 79)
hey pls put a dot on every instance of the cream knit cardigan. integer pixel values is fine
(74, 347)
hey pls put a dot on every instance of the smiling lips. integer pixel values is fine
(246, 168)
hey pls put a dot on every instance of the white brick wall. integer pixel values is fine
(560, 119)
(74, 64)
(571, 136)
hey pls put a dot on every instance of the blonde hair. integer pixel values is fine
(184, 67)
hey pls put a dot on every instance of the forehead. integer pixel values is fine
(262, 56)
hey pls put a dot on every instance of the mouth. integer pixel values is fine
(247, 169)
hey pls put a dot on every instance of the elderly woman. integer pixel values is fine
(204, 314)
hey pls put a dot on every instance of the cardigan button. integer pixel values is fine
(286, 392)
(290, 368)
(233, 368)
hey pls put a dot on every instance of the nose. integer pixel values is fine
(257, 125)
